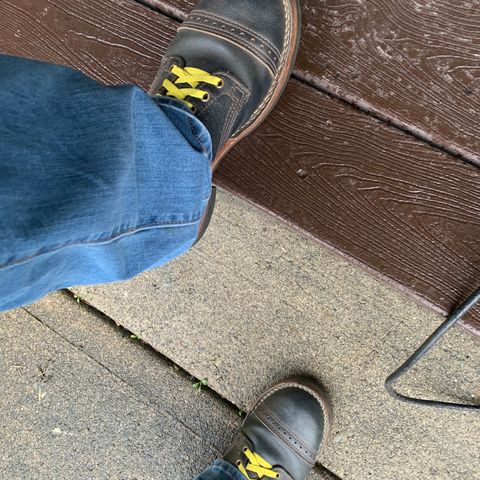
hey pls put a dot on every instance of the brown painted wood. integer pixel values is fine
(413, 63)
(376, 194)
(114, 41)
(403, 209)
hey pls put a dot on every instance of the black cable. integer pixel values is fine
(452, 319)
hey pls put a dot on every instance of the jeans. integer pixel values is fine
(97, 184)
(221, 470)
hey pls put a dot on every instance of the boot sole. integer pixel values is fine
(279, 86)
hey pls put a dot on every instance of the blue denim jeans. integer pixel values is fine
(221, 470)
(97, 184)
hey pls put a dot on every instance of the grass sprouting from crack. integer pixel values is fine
(200, 384)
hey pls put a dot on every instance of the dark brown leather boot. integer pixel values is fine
(282, 436)
(229, 63)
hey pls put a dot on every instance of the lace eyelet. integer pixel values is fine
(206, 97)
(221, 84)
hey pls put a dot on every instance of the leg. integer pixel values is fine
(98, 183)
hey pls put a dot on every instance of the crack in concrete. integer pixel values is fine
(148, 400)
(180, 370)
(92, 309)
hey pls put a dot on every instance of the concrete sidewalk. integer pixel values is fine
(81, 400)
(255, 302)
(252, 303)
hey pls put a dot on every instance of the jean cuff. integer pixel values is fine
(221, 470)
(187, 123)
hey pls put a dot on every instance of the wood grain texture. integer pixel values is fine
(114, 41)
(379, 196)
(413, 63)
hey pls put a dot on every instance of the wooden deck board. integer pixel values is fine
(410, 212)
(415, 64)
(405, 210)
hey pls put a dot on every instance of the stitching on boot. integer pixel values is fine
(288, 436)
(238, 102)
(238, 95)
(323, 404)
(247, 29)
(260, 58)
(266, 411)
(237, 33)
(286, 43)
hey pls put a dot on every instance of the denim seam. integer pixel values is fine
(191, 124)
(100, 241)
(195, 134)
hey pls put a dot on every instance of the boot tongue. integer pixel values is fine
(220, 114)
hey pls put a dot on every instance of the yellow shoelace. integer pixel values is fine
(256, 464)
(192, 77)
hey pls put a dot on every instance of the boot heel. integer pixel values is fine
(207, 216)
